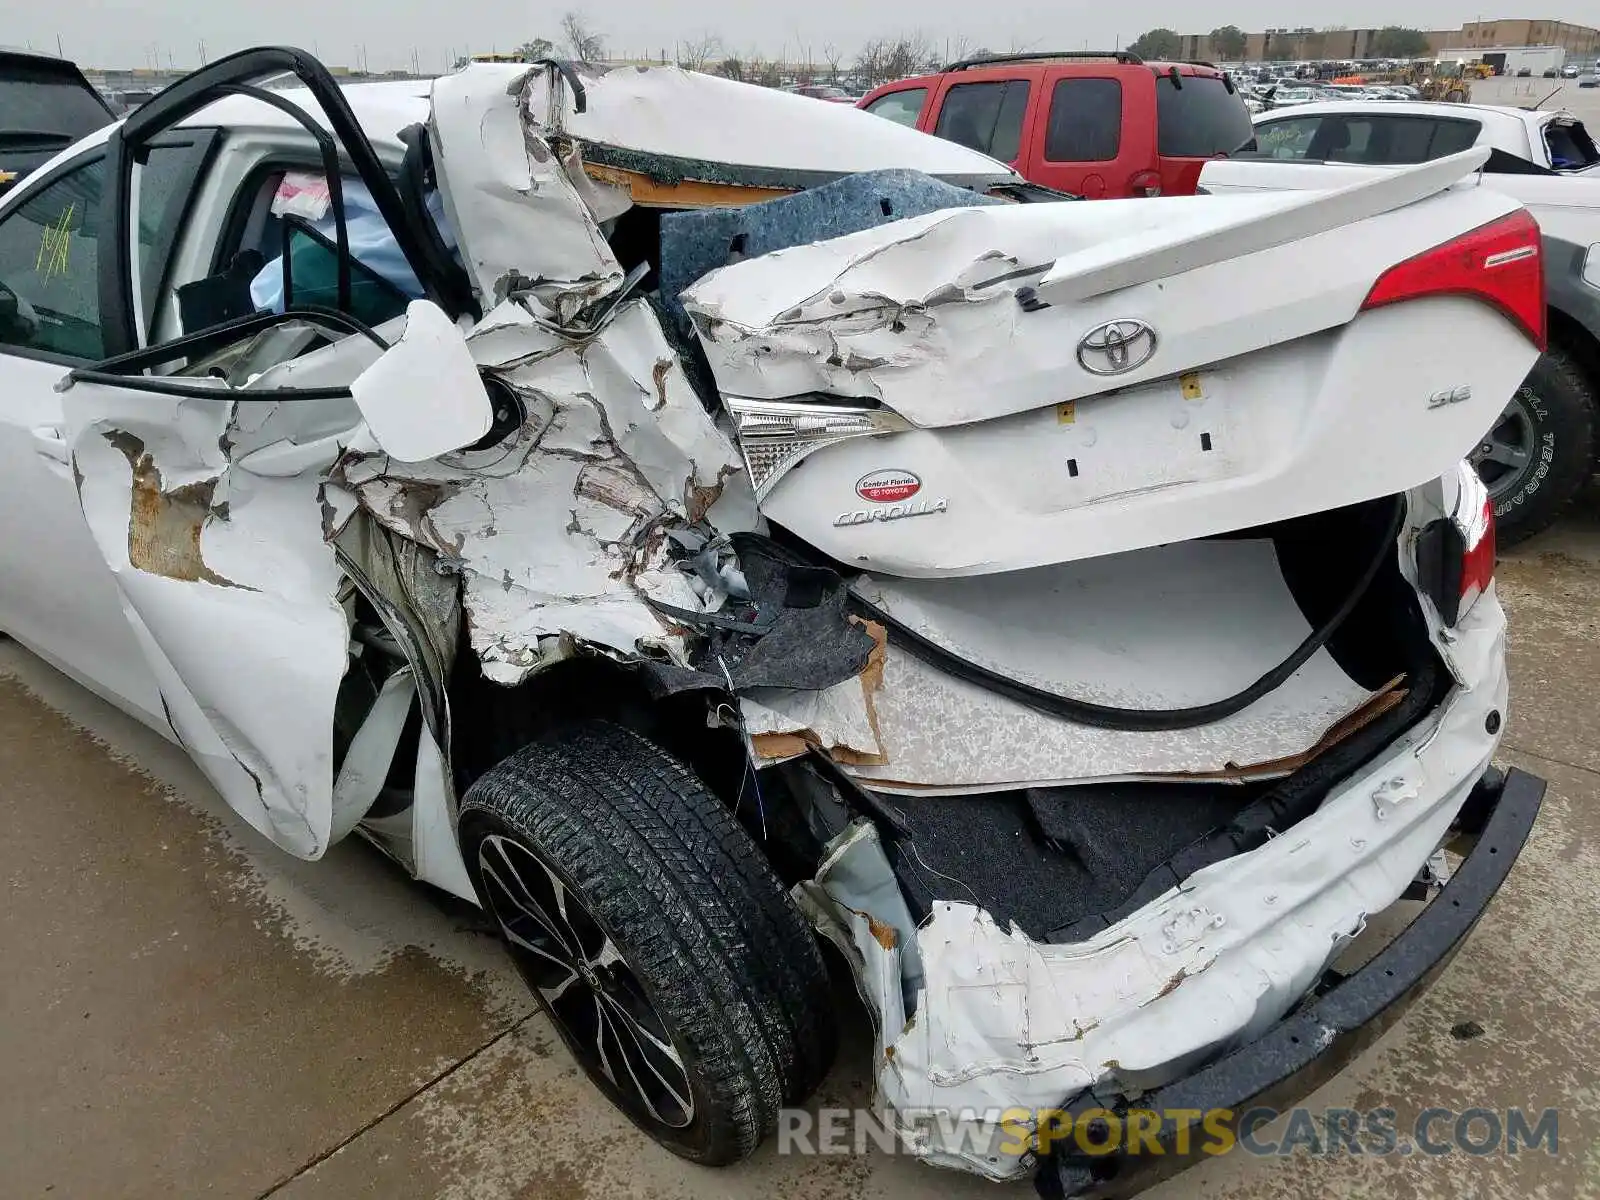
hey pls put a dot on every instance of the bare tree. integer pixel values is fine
(693, 55)
(885, 59)
(833, 56)
(582, 41)
(536, 49)
(763, 71)
(959, 48)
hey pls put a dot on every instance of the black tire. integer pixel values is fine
(712, 952)
(1548, 428)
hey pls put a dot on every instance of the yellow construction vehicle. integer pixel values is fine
(1446, 81)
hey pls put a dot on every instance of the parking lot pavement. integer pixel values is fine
(1556, 93)
(186, 1011)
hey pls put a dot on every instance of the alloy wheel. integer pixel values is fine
(585, 984)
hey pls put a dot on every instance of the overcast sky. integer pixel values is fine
(108, 33)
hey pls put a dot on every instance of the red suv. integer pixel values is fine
(1096, 124)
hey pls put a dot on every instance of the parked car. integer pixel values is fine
(1589, 81)
(45, 105)
(1097, 125)
(679, 577)
(826, 91)
(1525, 73)
(1415, 131)
(1541, 450)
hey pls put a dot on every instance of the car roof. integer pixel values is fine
(383, 109)
(17, 54)
(1015, 62)
(1427, 108)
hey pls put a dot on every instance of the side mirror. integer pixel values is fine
(424, 396)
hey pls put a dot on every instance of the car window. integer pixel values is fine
(167, 181)
(1085, 121)
(310, 273)
(986, 117)
(1290, 138)
(49, 251)
(1390, 140)
(903, 108)
(1201, 119)
(49, 299)
(1571, 148)
(37, 98)
(1423, 141)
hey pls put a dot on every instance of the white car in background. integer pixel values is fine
(1542, 450)
(912, 559)
(1552, 140)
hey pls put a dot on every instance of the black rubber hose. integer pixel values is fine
(1140, 720)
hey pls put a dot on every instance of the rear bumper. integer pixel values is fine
(1315, 1042)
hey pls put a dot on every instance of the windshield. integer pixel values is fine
(1201, 119)
(46, 101)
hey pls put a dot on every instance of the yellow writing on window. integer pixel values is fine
(55, 246)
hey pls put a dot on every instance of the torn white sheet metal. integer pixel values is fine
(665, 111)
(560, 530)
(523, 227)
(1170, 627)
(229, 587)
(1002, 1022)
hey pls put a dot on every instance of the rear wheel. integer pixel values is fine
(655, 936)
(1540, 451)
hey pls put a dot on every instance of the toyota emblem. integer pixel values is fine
(1117, 347)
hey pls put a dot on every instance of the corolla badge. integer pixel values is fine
(1116, 347)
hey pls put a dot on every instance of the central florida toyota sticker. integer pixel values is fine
(888, 487)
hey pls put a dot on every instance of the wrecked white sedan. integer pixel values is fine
(597, 491)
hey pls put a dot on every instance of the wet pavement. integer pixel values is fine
(185, 1011)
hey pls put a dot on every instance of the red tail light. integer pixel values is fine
(1477, 563)
(1501, 263)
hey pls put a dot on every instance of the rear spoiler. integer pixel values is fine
(1110, 267)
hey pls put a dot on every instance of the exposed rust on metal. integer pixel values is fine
(164, 526)
(882, 933)
(659, 374)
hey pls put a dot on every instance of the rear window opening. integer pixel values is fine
(1570, 146)
(1200, 119)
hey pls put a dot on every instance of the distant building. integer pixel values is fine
(1338, 45)
(1579, 41)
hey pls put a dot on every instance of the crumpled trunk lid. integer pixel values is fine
(1084, 379)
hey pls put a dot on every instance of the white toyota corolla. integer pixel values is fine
(686, 520)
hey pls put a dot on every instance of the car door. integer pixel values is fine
(1088, 148)
(199, 465)
(58, 597)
